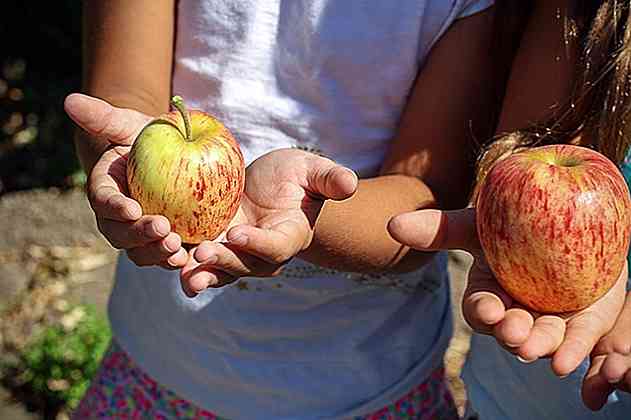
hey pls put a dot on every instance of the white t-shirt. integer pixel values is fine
(311, 343)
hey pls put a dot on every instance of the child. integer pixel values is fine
(500, 386)
(357, 325)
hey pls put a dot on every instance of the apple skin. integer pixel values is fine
(197, 184)
(554, 224)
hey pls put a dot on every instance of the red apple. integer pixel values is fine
(554, 224)
(189, 168)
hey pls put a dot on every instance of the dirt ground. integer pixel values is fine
(59, 227)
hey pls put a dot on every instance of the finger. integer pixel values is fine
(276, 244)
(482, 310)
(102, 120)
(329, 180)
(484, 302)
(127, 235)
(595, 389)
(200, 279)
(196, 277)
(106, 187)
(515, 328)
(586, 328)
(582, 334)
(545, 337)
(158, 252)
(231, 261)
(109, 203)
(617, 339)
(436, 229)
(615, 367)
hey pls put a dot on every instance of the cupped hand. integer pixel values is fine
(147, 239)
(488, 309)
(284, 193)
(610, 367)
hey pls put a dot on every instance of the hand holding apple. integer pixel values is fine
(488, 309)
(147, 239)
(187, 167)
(284, 193)
(554, 223)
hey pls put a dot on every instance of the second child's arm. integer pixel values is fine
(430, 163)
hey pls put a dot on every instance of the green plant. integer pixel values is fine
(57, 366)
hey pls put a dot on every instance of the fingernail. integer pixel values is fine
(240, 240)
(132, 212)
(172, 244)
(161, 229)
(202, 252)
(153, 229)
(172, 258)
(613, 381)
(210, 259)
(521, 359)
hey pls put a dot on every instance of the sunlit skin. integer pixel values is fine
(554, 224)
(192, 172)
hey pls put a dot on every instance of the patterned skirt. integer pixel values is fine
(121, 390)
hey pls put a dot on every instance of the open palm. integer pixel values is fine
(488, 309)
(284, 193)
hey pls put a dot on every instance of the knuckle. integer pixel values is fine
(137, 231)
(113, 203)
(621, 345)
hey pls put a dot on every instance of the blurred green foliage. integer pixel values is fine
(41, 63)
(57, 366)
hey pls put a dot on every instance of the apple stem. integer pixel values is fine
(178, 103)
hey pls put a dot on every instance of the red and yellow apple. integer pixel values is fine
(188, 167)
(554, 224)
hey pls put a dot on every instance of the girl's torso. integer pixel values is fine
(311, 343)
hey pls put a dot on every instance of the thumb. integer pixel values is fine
(102, 120)
(330, 180)
(437, 229)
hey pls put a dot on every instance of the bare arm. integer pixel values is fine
(128, 53)
(540, 79)
(430, 160)
(543, 70)
(127, 60)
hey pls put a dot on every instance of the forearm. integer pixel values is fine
(430, 161)
(125, 60)
(352, 235)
